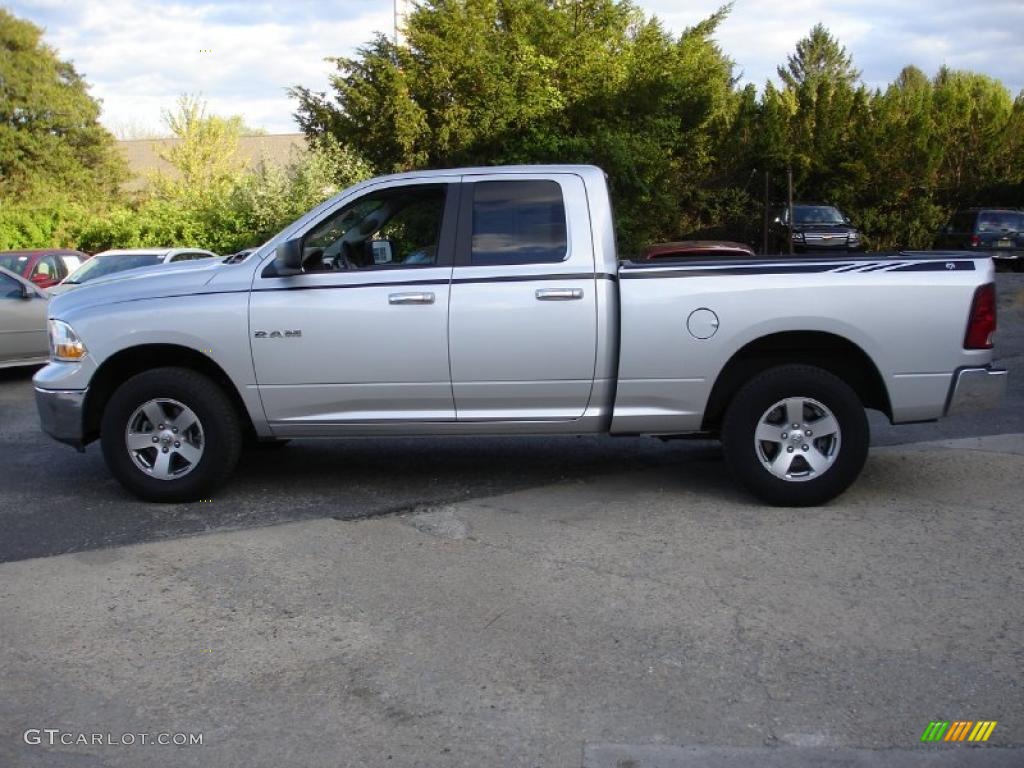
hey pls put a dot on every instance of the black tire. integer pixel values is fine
(221, 434)
(753, 401)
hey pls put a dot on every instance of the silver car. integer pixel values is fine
(112, 262)
(23, 306)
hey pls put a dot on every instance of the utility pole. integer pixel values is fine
(401, 10)
(790, 217)
(764, 228)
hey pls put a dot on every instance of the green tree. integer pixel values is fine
(819, 56)
(507, 81)
(214, 200)
(51, 142)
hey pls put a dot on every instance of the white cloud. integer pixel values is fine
(883, 36)
(140, 56)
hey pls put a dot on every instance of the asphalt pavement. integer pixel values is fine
(648, 618)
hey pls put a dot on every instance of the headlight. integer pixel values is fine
(64, 342)
(798, 235)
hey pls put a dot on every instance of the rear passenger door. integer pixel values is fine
(523, 311)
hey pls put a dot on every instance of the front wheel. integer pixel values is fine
(170, 435)
(795, 435)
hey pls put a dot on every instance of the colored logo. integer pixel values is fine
(959, 730)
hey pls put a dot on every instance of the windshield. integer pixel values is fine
(101, 266)
(817, 214)
(999, 221)
(13, 262)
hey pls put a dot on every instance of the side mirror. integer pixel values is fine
(39, 278)
(288, 258)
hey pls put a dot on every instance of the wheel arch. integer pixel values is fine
(823, 349)
(130, 361)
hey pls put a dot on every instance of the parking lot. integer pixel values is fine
(535, 601)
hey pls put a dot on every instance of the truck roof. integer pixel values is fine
(581, 170)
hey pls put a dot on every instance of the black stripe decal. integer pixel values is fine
(777, 269)
(634, 272)
(877, 267)
(937, 266)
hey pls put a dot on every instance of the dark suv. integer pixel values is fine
(998, 230)
(816, 227)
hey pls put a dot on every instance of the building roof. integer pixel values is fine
(143, 155)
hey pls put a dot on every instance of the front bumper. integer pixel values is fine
(976, 389)
(61, 414)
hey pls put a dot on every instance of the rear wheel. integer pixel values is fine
(170, 435)
(795, 435)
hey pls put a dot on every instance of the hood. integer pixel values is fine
(156, 281)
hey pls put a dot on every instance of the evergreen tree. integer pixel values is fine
(51, 141)
(819, 56)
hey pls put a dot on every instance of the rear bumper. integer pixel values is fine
(976, 389)
(61, 414)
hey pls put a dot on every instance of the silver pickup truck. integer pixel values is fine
(492, 301)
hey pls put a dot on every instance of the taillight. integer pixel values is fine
(975, 241)
(981, 325)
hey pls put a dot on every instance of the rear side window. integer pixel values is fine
(518, 222)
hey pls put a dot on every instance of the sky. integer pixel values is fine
(242, 56)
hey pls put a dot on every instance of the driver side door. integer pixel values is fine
(359, 339)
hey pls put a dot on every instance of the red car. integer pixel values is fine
(45, 267)
(691, 249)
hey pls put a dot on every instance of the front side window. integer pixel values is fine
(397, 227)
(518, 222)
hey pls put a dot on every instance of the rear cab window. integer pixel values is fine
(518, 222)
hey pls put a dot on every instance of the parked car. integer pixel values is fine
(23, 306)
(691, 249)
(999, 232)
(816, 227)
(112, 262)
(499, 306)
(44, 267)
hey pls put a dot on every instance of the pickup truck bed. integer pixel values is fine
(492, 301)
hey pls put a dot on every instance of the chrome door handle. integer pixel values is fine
(559, 294)
(411, 298)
